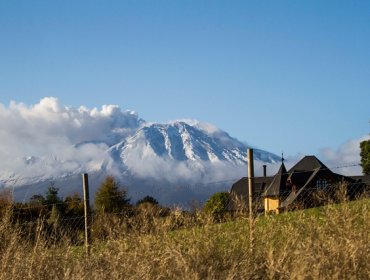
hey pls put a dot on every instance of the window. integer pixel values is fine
(321, 184)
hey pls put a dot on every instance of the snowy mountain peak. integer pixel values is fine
(183, 141)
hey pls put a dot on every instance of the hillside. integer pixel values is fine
(331, 242)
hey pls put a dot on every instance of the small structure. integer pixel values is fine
(297, 187)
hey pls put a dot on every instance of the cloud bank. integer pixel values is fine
(51, 140)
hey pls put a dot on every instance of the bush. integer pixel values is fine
(217, 204)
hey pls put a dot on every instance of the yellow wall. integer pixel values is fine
(272, 205)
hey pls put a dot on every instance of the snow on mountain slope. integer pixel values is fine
(183, 153)
(181, 141)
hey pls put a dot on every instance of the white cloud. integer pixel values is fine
(41, 140)
(187, 172)
(345, 160)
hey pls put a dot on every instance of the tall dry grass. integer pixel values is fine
(328, 243)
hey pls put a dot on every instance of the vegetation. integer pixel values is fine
(331, 242)
(110, 197)
(41, 240)
(147, 199)
(217, 204)
(365, 156)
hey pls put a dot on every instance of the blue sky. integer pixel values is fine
(290, 76)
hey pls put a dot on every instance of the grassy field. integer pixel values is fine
(331, 242)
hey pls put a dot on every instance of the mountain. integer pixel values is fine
(181, 141)
(175, 162)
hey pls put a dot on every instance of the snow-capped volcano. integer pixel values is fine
(182, 141)
(148, 158)
(158, 158)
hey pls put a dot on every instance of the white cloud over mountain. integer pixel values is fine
(41, 140)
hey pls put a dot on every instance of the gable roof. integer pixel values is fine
(308, 163)
(278, 183)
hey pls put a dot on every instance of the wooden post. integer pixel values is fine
(85, 180)
(250, 195)
(250, 181)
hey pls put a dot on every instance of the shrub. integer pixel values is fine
(217, 204)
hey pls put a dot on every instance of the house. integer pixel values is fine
(303, 182)
(300, 186)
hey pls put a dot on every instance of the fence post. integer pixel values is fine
(250, 193)
(250, 181)
(85, 180)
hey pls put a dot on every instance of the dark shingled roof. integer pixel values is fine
(278, 184)
(308, 163)
(239, 192)
(241, 187)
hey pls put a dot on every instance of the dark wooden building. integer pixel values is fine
(300, 186)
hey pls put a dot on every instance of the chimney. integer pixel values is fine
(264, 170)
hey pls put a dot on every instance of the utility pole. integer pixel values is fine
(85, 183)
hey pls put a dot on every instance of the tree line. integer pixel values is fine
(65, 217)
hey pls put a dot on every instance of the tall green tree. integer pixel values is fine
(111, 197)
(365, 156)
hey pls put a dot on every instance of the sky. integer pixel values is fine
(289, 76)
